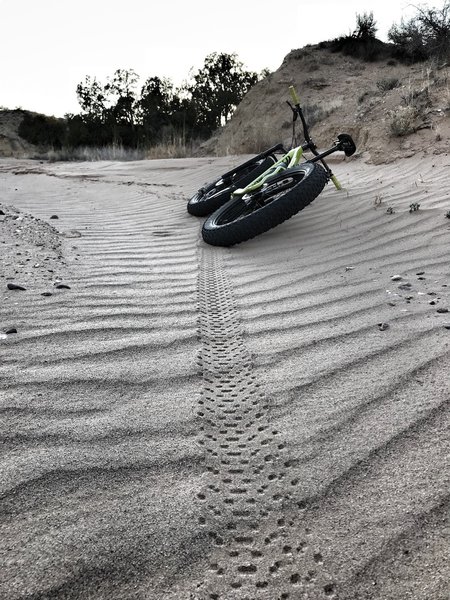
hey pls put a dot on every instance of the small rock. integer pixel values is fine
(391, 304)
(442, 310)
(62, 286)
(447, 325)
(10, 330)
(46, 294)
(349, 268)
(420, 273)
(421, 278)
(383, 326)
(432, 302)
(15, 286)
(72, 233)
(1, 212)
(405, 286)
(54, 217)
(396, 278)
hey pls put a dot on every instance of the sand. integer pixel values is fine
(186, 422)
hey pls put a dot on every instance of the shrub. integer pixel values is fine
(424, 36)
(362, 43)
(402, 121)
(387, 84)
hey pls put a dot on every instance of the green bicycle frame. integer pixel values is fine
(289, 160)
(292, 158)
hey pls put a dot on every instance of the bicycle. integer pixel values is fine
(248, 201)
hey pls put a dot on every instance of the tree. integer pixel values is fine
(217, 89)
(154, 106)
(425, 35)
(92, 99)
(121, 89)
(366, 26)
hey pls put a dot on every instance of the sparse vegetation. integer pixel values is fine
(402, 121)
(388, 84)
(363, 96)
(426, 35)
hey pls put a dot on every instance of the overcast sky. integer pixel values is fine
(48, 46)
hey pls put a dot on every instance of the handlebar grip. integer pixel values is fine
(294, 96)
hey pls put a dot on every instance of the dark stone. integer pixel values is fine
(46, 294)
(442, 310)
(10, 330)
(54, 217)
(62, 286)
(2, 212)
(405, 286)
(15, 286)
(420, 273)
(383, 326)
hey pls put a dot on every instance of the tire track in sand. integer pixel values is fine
(247, 485)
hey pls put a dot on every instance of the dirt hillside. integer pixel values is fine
(11, 144)
(392, 110)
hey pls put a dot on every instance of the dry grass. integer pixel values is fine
(173, 149)
(402, 120)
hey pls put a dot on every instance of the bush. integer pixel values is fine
(387, 84)
(427, 35)
(362, 43)
(41, 130)
(402, 121)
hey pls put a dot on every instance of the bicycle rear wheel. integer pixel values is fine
(214, 195)
(245, 217)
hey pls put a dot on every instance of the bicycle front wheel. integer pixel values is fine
(245, 217)
(214, 195)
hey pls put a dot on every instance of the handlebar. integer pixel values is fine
(294, 96)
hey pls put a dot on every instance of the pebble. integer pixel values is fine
(10, 330)
(15, 286)
(383, 326)
(442, 310)
(396, 278)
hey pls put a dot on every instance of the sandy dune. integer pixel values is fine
(188, 422)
